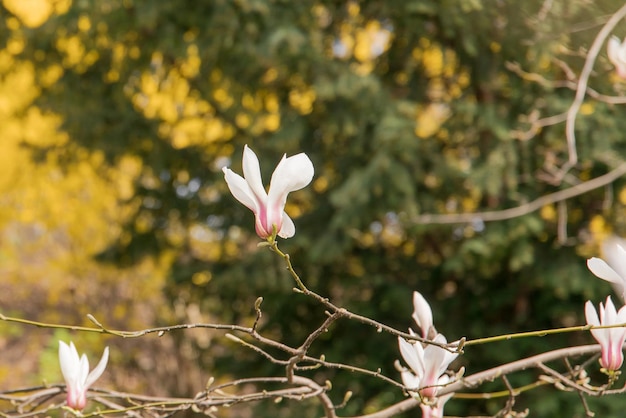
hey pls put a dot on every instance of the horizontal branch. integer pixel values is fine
(501, 215)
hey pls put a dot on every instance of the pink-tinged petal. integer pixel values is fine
(422, 314)
(413, 355)
(252, 174)
(98, 370)
(288, 229)
(241, 190)
(602, 270)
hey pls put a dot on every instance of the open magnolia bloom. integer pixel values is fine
(614, 269)
(617, 55)
(611, 339)
(422, 314)
(427, 365)
(291, 174)
(76, 373)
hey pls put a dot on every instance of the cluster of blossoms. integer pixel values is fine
(610, 339)
(428, 362)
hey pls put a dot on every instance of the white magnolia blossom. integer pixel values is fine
(614, 268)
(427, 365)
(76, 373)
(291, 174)
(610, 339)
(422, 314)
(617, 55)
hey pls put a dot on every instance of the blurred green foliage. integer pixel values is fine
(405, 108)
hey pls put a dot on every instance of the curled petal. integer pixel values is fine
(288, 229)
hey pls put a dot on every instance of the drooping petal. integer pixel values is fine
(614, 252)
(241, 190)
(601, 269)
(98, 370)
(252, 174)
(422, 314)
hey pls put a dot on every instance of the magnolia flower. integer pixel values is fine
(617, 55)
(614, 269)
(422, 314)
(611, 339)
(291, 174)
(75, 371)
(427, 364)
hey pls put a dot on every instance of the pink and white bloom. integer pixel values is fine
(617, 55)
(422, 314)
(435, 410)
(611, 339)
(427, 365)
(76, 373)
(291, 174)
(614, 269)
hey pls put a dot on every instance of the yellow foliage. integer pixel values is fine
(302, 99)
(548, 213)
(430, 119)
(32, 13)
(587, 109)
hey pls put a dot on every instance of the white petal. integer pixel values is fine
(438, 359)
(613, 49)
(291, 174)
(613, 250)
(601, 269)
(422, 314)
(97, 372)
(591, 315)
(69, 362)
(413, 355)
(252, 174)
(288, 229)
(240, 189)
(410, 380)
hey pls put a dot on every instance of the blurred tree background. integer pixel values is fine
(116, 117)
